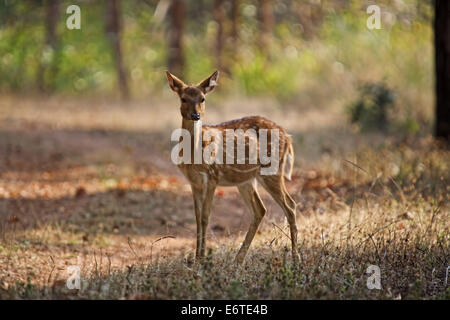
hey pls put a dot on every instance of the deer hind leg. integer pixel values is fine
(275, 186)
(253, 201)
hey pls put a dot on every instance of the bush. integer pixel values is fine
(372, 108)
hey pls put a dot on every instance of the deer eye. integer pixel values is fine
(183, 100)
(203, 100)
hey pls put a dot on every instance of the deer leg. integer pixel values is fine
(251, 197)
(276, 188)
(198, 206)
(206, 211)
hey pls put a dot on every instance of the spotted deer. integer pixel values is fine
(205, 177)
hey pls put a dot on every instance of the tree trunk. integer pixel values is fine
(113, 30)
(176, 56)
(234, 21)
(52, 13)
(442, 65)
(265, 16)
(219, 14)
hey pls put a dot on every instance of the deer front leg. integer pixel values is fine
(198, 205)
(203, 197)
(206, 211)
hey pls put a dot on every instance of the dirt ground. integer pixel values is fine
(90, 183)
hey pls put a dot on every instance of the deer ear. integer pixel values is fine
(175, 83)
(209, 83)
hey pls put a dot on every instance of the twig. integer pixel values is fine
(375, 246)
(51, 272)
(95, 260)
(354, 164)
(109, 263)
(151, 246)
(353, 198)
(130, 268)
(131, 247)
(376, 231)
(435, 211)
(281, 230)
(400, 190)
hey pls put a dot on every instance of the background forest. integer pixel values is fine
(306, 53)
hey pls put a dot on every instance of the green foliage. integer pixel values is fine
(324, 63)
(410, 126)
(258, 77)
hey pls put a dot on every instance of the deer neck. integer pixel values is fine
(195, 130)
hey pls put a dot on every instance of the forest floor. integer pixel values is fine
(90, 184)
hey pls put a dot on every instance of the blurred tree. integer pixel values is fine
(442, 65)
(311, 15)
(265, 17)
(234, 22)
(176, 30)
(198, 15)
(113, 30)
(219, 15)
(49, 60)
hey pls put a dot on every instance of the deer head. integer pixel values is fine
(192, 97)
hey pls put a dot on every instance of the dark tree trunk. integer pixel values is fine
(47, 69)
(198, 13)
(234, 21)
(265, 16)
(176, 55)
(442, 65)
(310, 16)
(219, 15)
(113, 30)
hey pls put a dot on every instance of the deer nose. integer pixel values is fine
(195, 116)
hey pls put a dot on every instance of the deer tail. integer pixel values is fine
(288, 161)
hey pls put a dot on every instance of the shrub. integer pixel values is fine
(372, 108)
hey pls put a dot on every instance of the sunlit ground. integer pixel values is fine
(90, 183)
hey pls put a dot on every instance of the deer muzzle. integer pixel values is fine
(195, 116)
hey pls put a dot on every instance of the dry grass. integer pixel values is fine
(89, 183)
